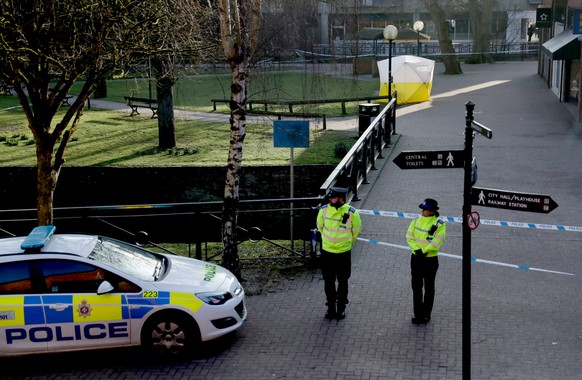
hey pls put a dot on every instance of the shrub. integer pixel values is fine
(340, 150)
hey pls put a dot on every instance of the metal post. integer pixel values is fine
(466, 297)
(292, 185)
(389, 70)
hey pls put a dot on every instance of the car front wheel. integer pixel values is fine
(169, 334)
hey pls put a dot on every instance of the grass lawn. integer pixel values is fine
(111, 138)
(194, 92)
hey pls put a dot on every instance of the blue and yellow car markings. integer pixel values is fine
(33, 314)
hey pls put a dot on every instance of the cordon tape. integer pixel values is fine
(405, 215)
(392, 214)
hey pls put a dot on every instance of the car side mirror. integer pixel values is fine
(141, 238)
(105, 287)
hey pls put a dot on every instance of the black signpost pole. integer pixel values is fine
(450, 159)
(466, 298)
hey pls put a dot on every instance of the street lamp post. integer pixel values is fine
(418, 27)
(390, 33)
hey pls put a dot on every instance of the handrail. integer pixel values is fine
(291, 103)
(353, 169)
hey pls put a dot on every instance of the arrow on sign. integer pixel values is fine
(432, 159)
(512, 200)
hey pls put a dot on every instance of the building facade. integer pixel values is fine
(343, 20)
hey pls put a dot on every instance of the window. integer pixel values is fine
(15, 278)
(67, 276)
(129, 259)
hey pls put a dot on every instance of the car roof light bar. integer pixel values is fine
(38, 237)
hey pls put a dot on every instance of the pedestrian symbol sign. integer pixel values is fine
(512, 200)
(437, 159)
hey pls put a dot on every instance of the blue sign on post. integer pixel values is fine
(577, 22)
(291, 134)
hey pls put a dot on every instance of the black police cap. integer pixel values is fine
(429, 204)
(338, 192)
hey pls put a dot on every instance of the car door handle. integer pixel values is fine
(58, 306)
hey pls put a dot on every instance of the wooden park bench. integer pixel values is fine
(214, 101)
(135, 103)
(6, 88)
(66, 99)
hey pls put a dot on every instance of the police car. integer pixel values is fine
(65, 292)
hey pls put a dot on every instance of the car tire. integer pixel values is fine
(170, 334)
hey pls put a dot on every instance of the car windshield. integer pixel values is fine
(128, 258)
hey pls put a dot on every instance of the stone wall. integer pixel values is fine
(87, 186)
(106, 186)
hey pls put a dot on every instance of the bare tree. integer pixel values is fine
(450, 60)
(481, 15)
(184, 34)
(48, 45)
(239, 30)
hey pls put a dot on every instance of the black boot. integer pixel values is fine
(330, 313)
(419, 320)
(341, 311)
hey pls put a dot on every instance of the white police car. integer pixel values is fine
(64, 292)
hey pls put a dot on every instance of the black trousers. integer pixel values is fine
(423, 271)
(336, 267)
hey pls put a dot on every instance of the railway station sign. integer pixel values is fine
(512, 200)
(432, 159)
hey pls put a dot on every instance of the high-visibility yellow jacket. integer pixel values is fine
(426, 233)
(339, 227)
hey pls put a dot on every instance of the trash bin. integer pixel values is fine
(367, 112)
(100, 89)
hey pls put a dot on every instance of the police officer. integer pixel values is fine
(425, 237)
(339, 225)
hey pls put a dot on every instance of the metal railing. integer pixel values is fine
(353, 169)
(192, 223)
(348, 49)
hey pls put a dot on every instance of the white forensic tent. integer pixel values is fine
(411, 78)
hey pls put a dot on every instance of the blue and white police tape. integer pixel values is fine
(524, 267)
(405, 215)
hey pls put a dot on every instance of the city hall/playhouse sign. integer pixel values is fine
(512, 200)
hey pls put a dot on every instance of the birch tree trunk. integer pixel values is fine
(239, 26)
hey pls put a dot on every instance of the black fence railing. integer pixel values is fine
(353, 170)
(195, 223)
(352, 49)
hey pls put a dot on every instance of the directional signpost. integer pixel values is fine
(432, 159)
(512, 200)
(450, 159)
